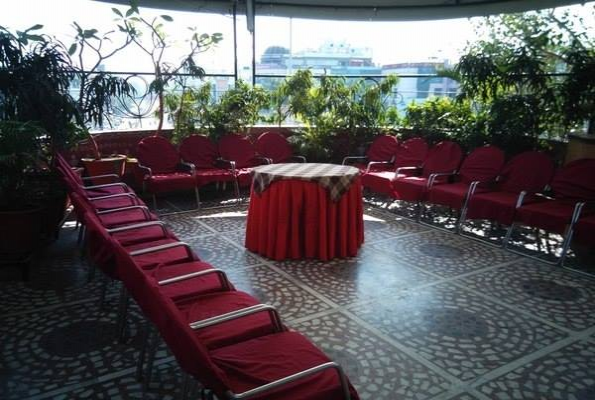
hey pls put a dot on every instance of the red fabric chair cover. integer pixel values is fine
(159, 154)
(274, 146)
(411, 152)
(233, 147)
(584, 230)
(379, 181)
(530, 171)
(576, 180)
(573, 183)
(265, 359)
(200, 151)
(160, 183)
(444, 157)
(383, 148)
(295, 219)
(483, 164)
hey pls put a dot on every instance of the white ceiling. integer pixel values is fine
(376, 10)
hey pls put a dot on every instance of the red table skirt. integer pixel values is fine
(295, 219)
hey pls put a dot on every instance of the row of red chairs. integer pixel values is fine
(224, 338)
(199, 161)
(526, 190)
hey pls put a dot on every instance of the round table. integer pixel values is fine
(305, 210)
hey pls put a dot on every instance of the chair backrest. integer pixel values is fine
(482, 164)
(191, 354)
(575, 180)
(383, 148)
(238, 148)
(200, 151)
(530, 171)
(443, 157)
(158, 153)
(275, 146)
(63, 166)
(411, 152)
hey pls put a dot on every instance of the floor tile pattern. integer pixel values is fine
(419, 314)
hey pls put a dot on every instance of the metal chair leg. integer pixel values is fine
(103, 292)
(154, 202)
(197, 195)
(122, 312)
(153, 342)
(237, 190)
(146, 328)
(508, 235)
(81, 235)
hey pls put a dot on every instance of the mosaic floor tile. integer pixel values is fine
(458, 331)
(376, 369)
(559, 296)
(46, 351)
(564, 374)
(186, 225)
(371, 274)
(443, 253)
(225, 219)
(272, 288)
(381, 225)
(221, 253)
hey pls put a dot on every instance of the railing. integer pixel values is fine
(139, 112)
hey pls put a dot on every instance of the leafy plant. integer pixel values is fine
(151, 38)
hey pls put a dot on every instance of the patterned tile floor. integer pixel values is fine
(419, 314)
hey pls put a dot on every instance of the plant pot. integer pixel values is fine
(106, 165)
(21, 233)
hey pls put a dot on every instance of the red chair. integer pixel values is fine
(380, 155)
(276, 148)
(203, 154)
(410, 153)
(528, 172)
(479, 168)
(160, 168)
(572, 186)
(238, 152)
(281, 365)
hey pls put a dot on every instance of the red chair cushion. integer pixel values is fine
(576, 180)
(383, 148)
(494, 206)
(206, 176)
(167, 182)
(274, 146)
(410, 188)
(158, 153)
(550, 215)
(115, 202)
(530, 171)
(452, 195)
(126, 217)
(263, 360)
(237, 148)
(379, 182)
(443, 157)
(200, 151)
(482, 164)
(411, 153)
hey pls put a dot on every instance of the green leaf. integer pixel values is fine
(72, 48)
(35, 27)
(167, 18)
(130, 12)
(117, 12)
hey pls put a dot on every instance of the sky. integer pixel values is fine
(391, 42)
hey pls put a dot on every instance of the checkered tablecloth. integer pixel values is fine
(335, 178)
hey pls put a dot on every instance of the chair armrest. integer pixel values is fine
(111, 196)
(148, 171)
(88, 178)
(376, 163)
(300, 158)
(144, 209)
(231, 164)
(225, 284)
(162, 247)
(294, 377)
(432, 177)
(265, 159)
(352, 158)
(139, 226)
(399, 169)
(106, 185)
(244, 312)
(190, 166)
